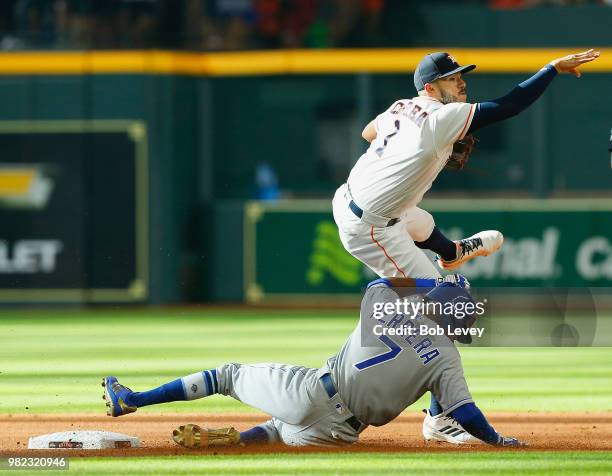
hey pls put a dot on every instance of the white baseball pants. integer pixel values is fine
(388, 251)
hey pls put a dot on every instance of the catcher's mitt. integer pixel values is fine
(461, 152)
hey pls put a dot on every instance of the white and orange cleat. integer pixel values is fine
(481, 244)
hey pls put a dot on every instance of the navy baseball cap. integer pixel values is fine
(437, 65)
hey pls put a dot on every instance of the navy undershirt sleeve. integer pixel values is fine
(474, 422)
(521, 97)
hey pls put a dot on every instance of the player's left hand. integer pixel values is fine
(570, 63)
(462, 149)
(508, 441)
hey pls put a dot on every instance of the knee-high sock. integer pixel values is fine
(440, 244)
(255, 435)
(190, 387)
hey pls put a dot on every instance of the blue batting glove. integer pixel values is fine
(509, 442)
(457, 279)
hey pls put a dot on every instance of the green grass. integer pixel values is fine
(52, 361)
(540, 463)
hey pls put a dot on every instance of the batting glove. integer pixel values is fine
(457, 279)
(509, 441)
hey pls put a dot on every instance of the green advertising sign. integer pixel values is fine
(292, 248)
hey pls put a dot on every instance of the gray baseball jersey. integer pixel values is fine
(376, 379)
(379, 376)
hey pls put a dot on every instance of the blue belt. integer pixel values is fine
(359, 213)
(329, 387)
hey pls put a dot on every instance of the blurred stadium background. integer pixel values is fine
(183, 151)
(161, 152)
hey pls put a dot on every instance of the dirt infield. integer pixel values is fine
(543, 431)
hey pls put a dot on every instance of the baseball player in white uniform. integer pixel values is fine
(376, 210)
(377, 373)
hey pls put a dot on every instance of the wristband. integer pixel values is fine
(425, 283)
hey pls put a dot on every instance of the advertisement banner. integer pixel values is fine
(292, 248)
(73, 211)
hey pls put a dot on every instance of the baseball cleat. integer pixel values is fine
(480, 244)
(115, 395)
(194, 436)
(445, 428)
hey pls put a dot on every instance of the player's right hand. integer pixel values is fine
(510, 441)
(570, 63)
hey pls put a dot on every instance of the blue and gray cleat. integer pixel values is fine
(115, 395)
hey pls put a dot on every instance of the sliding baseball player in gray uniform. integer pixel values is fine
(388, 362)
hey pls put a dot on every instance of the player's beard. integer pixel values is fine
(447, 98)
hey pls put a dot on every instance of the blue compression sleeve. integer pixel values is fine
(474, 422)
(522, 96)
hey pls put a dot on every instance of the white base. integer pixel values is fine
(83, 440)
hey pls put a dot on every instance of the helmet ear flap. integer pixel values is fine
(458, 309)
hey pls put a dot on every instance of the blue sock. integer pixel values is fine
(440, 244)
(198, 385)
(254, 435)
(434, 406)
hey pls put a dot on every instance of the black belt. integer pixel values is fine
(359, 213)
(329, 387)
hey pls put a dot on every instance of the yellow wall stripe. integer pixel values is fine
(502, 60)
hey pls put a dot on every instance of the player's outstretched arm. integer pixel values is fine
(527, 92)
(474, 422)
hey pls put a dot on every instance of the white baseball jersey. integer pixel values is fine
(413, 142)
